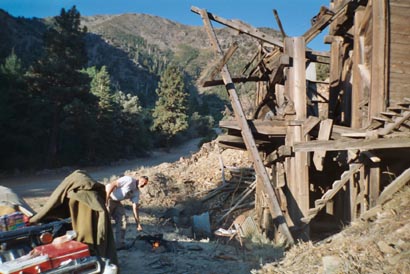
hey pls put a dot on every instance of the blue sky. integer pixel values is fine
(295, 14)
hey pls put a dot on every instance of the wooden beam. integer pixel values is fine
(282, 31)
(335, 74)
(309, 124)
(264, 127)
(340, 145)
(277, 61)
(276, 68)
(374, 183)
(318, 57)
(220, 82)
(272, 200)
(378, 90)
(238, 139)
(325, 17)
(357, 91)
(324, 134)
(297, 166)
(398, 121)
(251, 31)
(278, 155)
(394, 186)
(224, 60)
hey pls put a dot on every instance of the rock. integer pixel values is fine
(385, 248)
(331, 264)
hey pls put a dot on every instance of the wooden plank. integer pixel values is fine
(378, 87)
(265, 127)
(220, 82)
(324, 134)
(399, 4)
(394, 186)
(357, 89)
(273, 203)
(238, 141)
(335, 74)
(276, 67)
(353, 194)
(397, 122)
(363, 190)
(309, 124)
(253, 32)
(320, 24)
(224, 60)
(374, 183)
(372, 212)
(282, 31)
(340, 145)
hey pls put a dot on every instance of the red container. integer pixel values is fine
(62, 252)
(27, 264)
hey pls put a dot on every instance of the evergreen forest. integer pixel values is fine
(59, 107)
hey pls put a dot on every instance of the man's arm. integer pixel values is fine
(135, 210)
(109, 189)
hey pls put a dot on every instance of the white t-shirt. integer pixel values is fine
(127, 189)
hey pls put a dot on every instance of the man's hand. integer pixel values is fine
(139, 227)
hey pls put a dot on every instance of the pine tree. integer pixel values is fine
(101, 87)
(170, 112)
(56, 77)
(16, 120)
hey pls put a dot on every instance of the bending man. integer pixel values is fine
(123, 188)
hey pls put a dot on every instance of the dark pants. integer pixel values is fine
(117, 212)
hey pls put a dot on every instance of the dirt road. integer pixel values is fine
(43, 183)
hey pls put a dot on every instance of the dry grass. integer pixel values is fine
(381, 245)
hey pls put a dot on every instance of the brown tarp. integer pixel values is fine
(83, 199)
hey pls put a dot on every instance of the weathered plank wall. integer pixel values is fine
(399, 50)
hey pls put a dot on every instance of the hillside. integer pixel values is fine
(136, 48)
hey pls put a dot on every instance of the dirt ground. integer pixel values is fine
(380, 244)
(179, 185)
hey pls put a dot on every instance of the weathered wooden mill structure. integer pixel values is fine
(335, 152)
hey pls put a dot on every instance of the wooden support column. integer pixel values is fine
(378, 90)
(353, 192)
(374, 183)
(336, 61)
(357, 88)
(297, 167)
(247, 136)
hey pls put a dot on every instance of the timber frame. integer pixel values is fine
(322, 156)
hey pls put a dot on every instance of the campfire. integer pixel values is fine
(157, 242)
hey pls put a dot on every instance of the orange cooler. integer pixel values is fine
(62, 252)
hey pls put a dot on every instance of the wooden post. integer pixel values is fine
(357, 91)
(378, 90)
(247, 136)
(296, 167)
(374, 184)
(324, 134)
(353, 190)
(363, 190)
(335, 73)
